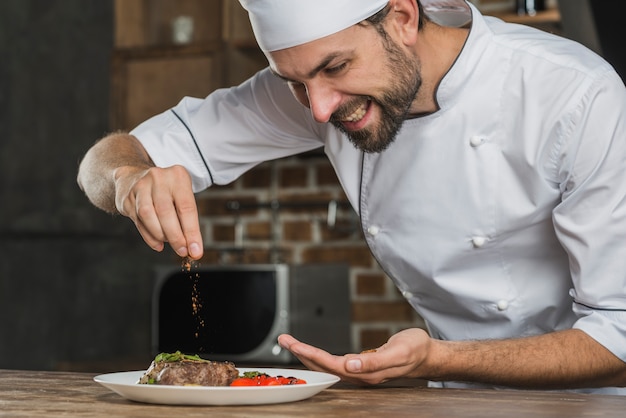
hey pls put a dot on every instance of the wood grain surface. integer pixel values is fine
(53, 394)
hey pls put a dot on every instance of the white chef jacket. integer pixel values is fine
(501, 215)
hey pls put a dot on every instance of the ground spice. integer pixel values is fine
(190, 266)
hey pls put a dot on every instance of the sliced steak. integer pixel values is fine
(190, 372)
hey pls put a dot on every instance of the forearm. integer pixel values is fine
(97, 170)
(559, 360)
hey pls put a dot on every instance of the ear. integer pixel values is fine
(403, 20)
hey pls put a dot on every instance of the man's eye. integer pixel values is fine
(336, 69)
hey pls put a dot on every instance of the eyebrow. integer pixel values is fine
(323, 64)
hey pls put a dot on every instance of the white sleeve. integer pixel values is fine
(591, 219)
(219, 138)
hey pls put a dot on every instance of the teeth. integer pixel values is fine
(358, 114)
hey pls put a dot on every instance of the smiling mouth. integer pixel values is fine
(358, 113)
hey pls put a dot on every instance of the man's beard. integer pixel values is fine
(394, 103)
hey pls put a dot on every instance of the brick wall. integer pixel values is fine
(283, 216)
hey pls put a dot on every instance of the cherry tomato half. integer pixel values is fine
(243, 381)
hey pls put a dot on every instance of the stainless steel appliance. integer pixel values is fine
(236, 312)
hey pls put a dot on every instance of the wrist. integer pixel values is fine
(440, 355)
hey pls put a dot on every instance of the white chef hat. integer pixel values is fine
(280, 24)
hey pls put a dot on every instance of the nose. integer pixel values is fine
(323, 101)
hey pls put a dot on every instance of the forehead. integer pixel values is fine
(301, 60)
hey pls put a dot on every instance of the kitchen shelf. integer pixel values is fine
(550, 16)
(150, 73)
(547, 20)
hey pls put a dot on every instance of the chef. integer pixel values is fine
(486, 164)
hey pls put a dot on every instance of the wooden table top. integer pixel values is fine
(69, 394)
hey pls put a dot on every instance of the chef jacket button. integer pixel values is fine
(477, 141)
(407, 294)
(502, 305)
(373, 230)
(479, 241)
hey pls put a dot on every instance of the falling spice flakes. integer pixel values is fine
(188, 263)
(196, 303)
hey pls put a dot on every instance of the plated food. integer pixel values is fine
(178, 369)
(182, 379)
(126, 385)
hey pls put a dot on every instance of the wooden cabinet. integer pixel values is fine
(243, 56)
(148, 23)
(151, 72)
(148, 81)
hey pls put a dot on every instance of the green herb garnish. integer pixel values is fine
(177, 356)
(252, 375)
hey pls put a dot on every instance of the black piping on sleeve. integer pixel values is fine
(599, 309)
(197, 146)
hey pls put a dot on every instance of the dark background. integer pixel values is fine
(75, 283)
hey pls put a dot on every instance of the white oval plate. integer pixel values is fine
(125, 384)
